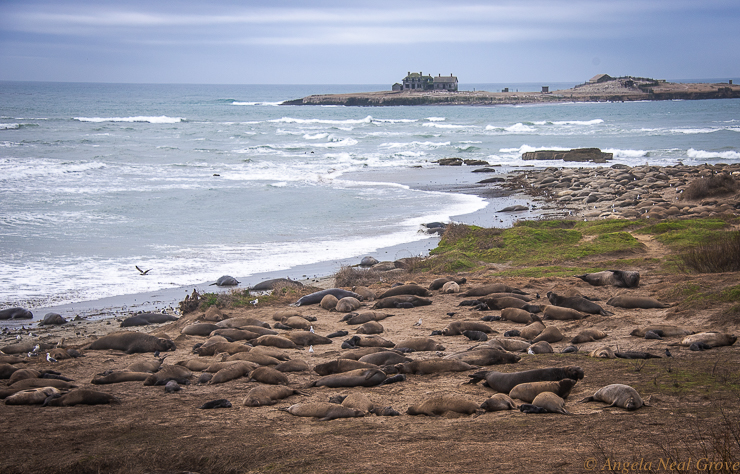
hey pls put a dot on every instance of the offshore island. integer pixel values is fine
(418, 89)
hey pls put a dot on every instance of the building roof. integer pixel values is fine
(600, 78)
(449, 78)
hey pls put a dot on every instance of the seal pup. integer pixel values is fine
(618, 278)
(527, 392)
(351, 378)
(504, 382)
(579, 303)
(316, 297)
(550, 402)
(226, 280)
(632, 302)
(498, 402)
(265, 395)
(81, 397)
(220, 403)
(441, 404)
(324, 411)
(618, 395)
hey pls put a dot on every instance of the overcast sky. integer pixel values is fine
(366, 41)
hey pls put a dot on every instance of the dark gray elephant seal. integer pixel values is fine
(509, 302)
(352, 378)
(662, 330)
(485, 356)
(131, 343)
(52, 319)
(456, 328)
(316, 297)
(433, 366)
(368, 261)
(631, 302)
(618, 278)
(324, 411)
(498, 402)
(440, 282)
(384, 358)
(339, 366)
(15, 313)
(441, 404)
(415, 290)
(82, 397)
(504, 382)
(527, 392)
(395, 301)
(272, 284)
(579, 303)
(226, 280)
(618, 395)
(178, 373)
(145, 319)
(120, 376)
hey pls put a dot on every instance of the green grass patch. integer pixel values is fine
(682, 234)
(609, 226)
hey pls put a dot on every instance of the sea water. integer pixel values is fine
(198, 181)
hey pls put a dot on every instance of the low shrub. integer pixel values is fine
(719, 255)
(715, 185)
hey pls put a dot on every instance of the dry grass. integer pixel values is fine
(349, 276)
(715, 185)
(721, 255)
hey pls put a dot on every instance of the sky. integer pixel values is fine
(366, 41)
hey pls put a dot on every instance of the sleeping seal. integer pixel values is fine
(324, 411)
(316, 297)
(504, 382)
(631, 302)
(441, 404)
(618, 395)
(618, 278)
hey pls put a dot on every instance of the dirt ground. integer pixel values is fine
(694, 413)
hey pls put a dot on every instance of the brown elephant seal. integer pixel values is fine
(662, 330)
(232, 371)
(371, 340)
(639, 302)
(440, 282)
(6, 370)
(329, 302)
(579, 303)
(384, 358)
(559, 313)
(54, 319)
(120, 377)
(235, 334)
(540, 347)
(216, 366)
(352, 378)
(223, 347)
(275, 341)
(265, 395)
(82, 397)
(32, 396)
(358, 401)
(347, 304)
(132, 343)
(504, 382)
(255, 357)
(282, 314)
(195, 365)
(498, 402)
(324, 411)
(295, 365)
(618, 278)
(510, 344)
(23, 374)
(509, 302)
(420, 344)
(414, 290)
(146, 366)
(358, 352)
(213, 314)
(518, 315)
(178, 373)
(366, 293)
(270, 376)
(371, 327)
(588, 335)
(711, 338)
(400, 301)
(527, 392)
(143, 319)
(297, 322)
(316, 297)
(307, 338)
(433, 366)
(456, 328)
(485, 290)
(342, 365)
(550, 334)
(618, 395)
(531, 331)
(450, 287)
(550, 402)
(240, 322)
(603, 353)
(199, 329)
(364, 317)
(485, 356)
(441, 404)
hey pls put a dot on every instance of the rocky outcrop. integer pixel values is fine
(594, 155)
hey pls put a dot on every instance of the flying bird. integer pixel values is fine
(142, 272)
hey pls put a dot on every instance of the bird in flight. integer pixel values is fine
(142, 272)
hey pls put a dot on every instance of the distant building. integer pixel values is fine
(397, 87)
(417, 81)
(600, 78)
(545, 89)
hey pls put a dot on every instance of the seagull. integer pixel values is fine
(18, 337)
(36, 348)
(50, 358)
(142, 272)
(418, 323)
(254, 302)
(311, 329)
(530, 351)
(310, 350)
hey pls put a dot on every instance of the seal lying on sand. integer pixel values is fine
(131, 343)
(352, 378)
(324, 411)
(617, 395)
(415, 290)
(316, 297)
(630, 302)
(15, 313)
(441, 404)
(618, 278)
(271, 284)
(144, 319)
(527, 392)
(504, 382)
(579, 303)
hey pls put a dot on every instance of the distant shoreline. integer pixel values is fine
(615, 90)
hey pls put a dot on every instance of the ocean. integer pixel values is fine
(199, 181)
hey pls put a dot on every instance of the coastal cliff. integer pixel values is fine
(616, 90)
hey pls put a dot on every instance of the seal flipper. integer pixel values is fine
(477, 377)
(50, 400)
(587, 399)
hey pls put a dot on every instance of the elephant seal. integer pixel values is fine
(560, 313)
(441, 404)
(339, 366)
(132, 343)
(232, 371)
(120, 377)
(265, 395)
(415, 290)
(81, 397)
(150, 366)
(509, 302)
(15, 313)
(370, 340)
(450, 287)
(275, 341)
(295, 365)
(517, 315)
(710, 338)
(498, 402)
(254, 357)
(274, 283)
(504, 382)
(475, 335)
(433, 366)
(485, 356)
(550, 334)
(52, 319)
(527, 392)
(356, 353)
(635, 355)
(509, 344)
(329, 302)
(618, 395)
(368, 261)
(307, 338)
(631, 302)
(540, 347)
(420, 344)
(347, 304)
(32, 396)
(242, 322)
(618, 278)
(531, 331)
(324, 411)
(230, 348)
(364, 317)
(588, 335)
(579, 303)
(352, 378)
(270, 376)
(23, 374)
(384, 358)
(6, 370)
(358, 401)
(178, 373)
(550, 402)
(662, 330)
(316, 297)
(216, 367)
(456, 328)
(395, 301)
(366, 293)
(603, 353)
(213, 314)
(235, 334)
(440, 282)
(199, 329)
(226, 280)
(145, 319)
(220, 403)
(40, 383)
(492, 288)
(371, 327)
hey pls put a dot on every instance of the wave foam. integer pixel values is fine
(160, 119)
(701, 154)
